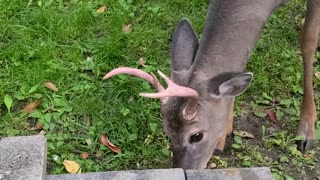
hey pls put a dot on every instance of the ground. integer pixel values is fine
(256, 152)
(73, 43)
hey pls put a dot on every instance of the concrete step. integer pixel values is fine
(259, 173)
(154, 174)
(23, 158)
(262, 173)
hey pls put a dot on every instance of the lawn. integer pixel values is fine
(74, 43)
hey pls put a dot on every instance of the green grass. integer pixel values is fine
(73, 46)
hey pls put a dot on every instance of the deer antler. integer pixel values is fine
(173, 90)
(151, 78)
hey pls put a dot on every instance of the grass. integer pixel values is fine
(72, 45)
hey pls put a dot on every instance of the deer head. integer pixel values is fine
(195, 124)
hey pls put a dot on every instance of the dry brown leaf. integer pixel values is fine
(127, 28)
(31, 106)
(142, 62)
(317, 74)
(216, 157)
(272, 116)
(212, 165)
(72, 167)
(101, 9)
(105, 141)
(51, 86)
(37, 127)
(308, 155)
(244, 134)
(85, 155)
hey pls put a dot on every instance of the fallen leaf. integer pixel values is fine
(168, 146)
(142, 62)
(85, 155)
(105, 141)
(272, 116)
(89, 141)
(127, 28)
(37, 127)
(260, 114)
(244, 134)
(212, 165)
(308, 155)
(51, 86)
(236, 146)
(101, 9)
(72, 167)
(317, 74)
(215, 157)
(31, 106)
(8, 101)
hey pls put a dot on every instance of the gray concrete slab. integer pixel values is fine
(262, 173)
(23, 158)
(154, 174)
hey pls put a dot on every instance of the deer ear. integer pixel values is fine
(236, 85)
(184, 46)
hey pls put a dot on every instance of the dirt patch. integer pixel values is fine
(295, 167)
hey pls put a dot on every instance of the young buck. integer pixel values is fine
(197, 106)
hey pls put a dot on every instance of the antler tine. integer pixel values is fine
(151, 78)
(172, 90)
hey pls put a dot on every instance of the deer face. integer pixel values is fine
(194, 138)
(195, 108)
(195, 125)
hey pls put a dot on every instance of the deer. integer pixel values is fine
(207, 75)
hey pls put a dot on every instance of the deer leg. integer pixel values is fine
(228, 130)
(308, 115)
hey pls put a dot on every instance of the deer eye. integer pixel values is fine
(196, 137)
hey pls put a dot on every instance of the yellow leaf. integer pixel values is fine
(89, 141)
(302, 21)
(102, 9)
(243, 134)
(317, 74)
(127, 28)
(142, 62)
(72, 167)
